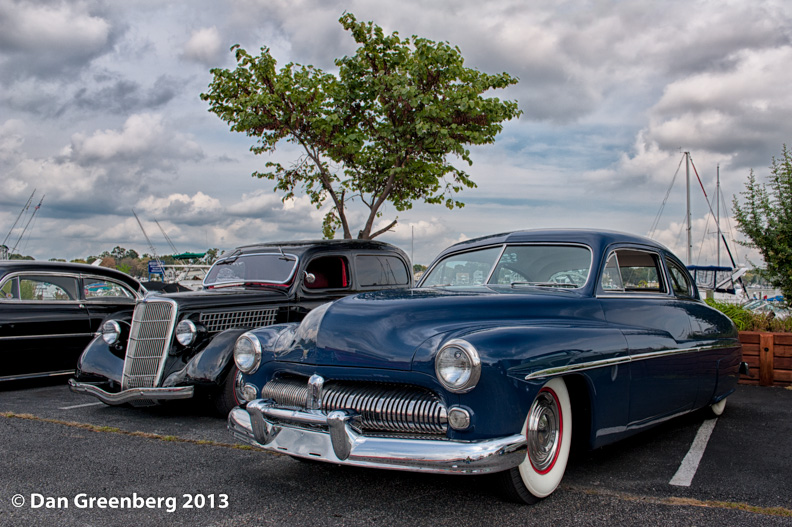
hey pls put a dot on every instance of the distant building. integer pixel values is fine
(3, 252)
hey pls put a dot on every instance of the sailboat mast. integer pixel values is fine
(717, 208)
(687, 187)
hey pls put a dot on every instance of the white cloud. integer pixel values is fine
(49, 39)
(11, 139)
(205, 47)
(144, 137)
(51, 27)
(181, 207)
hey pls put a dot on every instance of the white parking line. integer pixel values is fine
(687, 469)
(78, 406)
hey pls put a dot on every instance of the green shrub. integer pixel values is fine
(747, 320)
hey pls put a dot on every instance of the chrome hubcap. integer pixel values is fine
(543, 431)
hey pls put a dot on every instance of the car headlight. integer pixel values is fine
(111, 332)
(247, 353)
(186, 332)
(458, 366)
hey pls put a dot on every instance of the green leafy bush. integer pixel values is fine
(747, 320)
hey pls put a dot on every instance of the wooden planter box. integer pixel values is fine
(769, 356)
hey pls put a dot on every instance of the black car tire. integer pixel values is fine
(549, 439)
(227, 397)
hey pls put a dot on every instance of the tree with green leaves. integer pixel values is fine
(766, 219)
(383, 130)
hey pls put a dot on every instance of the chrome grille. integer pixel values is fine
(149, 342)
(221, 321)
(400, 409)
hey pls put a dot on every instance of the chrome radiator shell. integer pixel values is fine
(150, 334)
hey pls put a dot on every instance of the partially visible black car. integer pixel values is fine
(49, 312)
(180, 345)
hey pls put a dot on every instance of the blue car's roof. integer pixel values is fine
(596, 239)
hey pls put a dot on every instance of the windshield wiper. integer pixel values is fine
(270, 287)
(545, 284)
(283, 256)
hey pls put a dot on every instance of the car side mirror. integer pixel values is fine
(310, 278)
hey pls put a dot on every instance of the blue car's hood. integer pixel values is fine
(384, 329)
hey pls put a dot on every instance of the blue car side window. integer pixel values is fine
(611, 277)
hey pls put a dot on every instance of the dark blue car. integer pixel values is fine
(512, 348)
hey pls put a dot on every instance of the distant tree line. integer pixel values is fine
(130, 261)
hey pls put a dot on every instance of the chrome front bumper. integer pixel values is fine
(314, 435)
(132, 394)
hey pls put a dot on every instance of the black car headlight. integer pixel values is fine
(247, 353)
(111, 332)
(458, 366)
(186, 332)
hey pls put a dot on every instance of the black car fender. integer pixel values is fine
(210, 365)
(99, 360)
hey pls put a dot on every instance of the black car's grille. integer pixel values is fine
(254, 318)
(398, 409)
(149, 341)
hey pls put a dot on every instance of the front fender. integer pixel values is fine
(211, 364)
(98, 360)
(509, 354)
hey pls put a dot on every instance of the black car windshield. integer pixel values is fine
(563, 266)
(262, 268)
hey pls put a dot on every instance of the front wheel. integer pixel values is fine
(717, 409)
(229, 395)
(548, 431)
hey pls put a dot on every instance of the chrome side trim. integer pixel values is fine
(133, 394)
(36, 375)
(64, 335)
(583, 366)
(331, 438)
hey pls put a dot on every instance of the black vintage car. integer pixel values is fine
(49, 312)
(180, 345)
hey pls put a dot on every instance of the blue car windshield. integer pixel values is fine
(268, 268)
(564, 266)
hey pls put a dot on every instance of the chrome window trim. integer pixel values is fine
(504, 246)
(692, 289)
(635, 295)
(76, 276)
(243, 282)
(426, 274)
(42, 302)
(601, 293)
(18, 274)
(495, 264)
(407, 268)
(135, 294)
(553, 244)
(591, 365)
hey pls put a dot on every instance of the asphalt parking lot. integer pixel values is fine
(65, 457)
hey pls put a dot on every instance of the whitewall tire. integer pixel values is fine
(717, 408)
(548, 431)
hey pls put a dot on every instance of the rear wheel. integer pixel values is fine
(548, 431)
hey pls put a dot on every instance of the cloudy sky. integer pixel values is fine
(100, 113)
